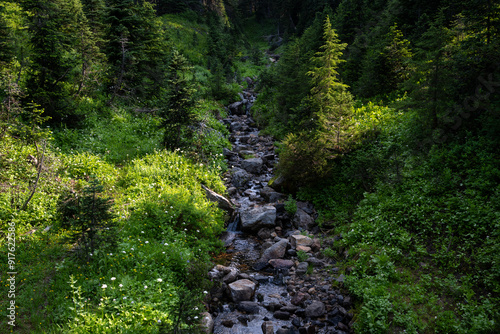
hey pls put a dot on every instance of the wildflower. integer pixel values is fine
(166, 244)
(145, 287)
(121, 285)
(146, 242)
(142, 231)
(205, 292)
(125, 297)
(113, 278)
(104, 286)
(159, 280)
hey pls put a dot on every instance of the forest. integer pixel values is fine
(385, 116)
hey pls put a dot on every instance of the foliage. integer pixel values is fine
(291, 205)
(177, 114)
(90, 220)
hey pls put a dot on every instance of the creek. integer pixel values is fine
(263, 287)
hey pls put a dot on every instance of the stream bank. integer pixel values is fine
(265, 288)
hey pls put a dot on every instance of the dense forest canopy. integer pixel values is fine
(386, 115)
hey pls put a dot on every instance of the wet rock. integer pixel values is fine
(267, 327)
(248, 307)
(270, 195)
(299, 298)
(315, 310)
(264, 233)
(231, 276)
(235, 126)
(228, 153)
(228, 323)
(282, 315)
(253, 219)
(246, 153)
(207, 323)
(281, 263)
(221, 201)
(302, 220)
(237, 108)
(239, 178)
(289, 308)
(252, 165)
(300, 240)
(242, 290)
(272, 306)
(276, 251)
(286, 330)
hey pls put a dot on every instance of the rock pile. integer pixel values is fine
(308, 302)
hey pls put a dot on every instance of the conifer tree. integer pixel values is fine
(90, 218)
(177, 113)
(329, 95)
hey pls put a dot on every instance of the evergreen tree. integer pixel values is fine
(329, 94)
(135, 49)
(90, 218)
(177, 114)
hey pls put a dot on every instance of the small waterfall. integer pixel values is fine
(233, 225)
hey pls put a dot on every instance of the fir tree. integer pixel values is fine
(177, 114)
(90, 220)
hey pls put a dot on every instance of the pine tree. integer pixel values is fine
(177, 114)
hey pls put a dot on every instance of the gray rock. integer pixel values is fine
(207, 323)
(237, 108)
(299, 298)
(281, 263)
(302, 220)
(253, 219)
(302, 268)
(239, 178)
(242, 290)
(231, 276)
(282, 315)
(264, 233)
(315, 310)
(276, 251)
(248, 307)
(253, 165)
(221, 201)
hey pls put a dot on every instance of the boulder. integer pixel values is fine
(253, 165)
(256, 218)
(306, 249)
(299, 298)
(237, 108)
(221, 201)
(316, 309)
(242, 290)
(207, 323)
(231, 276)
(276, 251)
(239, 178)
(302, 220)
(281, 315)
(300, 240)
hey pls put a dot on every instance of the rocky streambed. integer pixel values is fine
(265, 288)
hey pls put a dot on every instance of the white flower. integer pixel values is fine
(163, 252)
(124, 252)
(121, 285)
(159, 280)
(111, 254)
(132, 248)
(125, 297)
(196, 317)
(166, 244)
(145, 287)
(142, 231)
(104, 286)
(146, 242)
(113, 278)
(205, 292)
